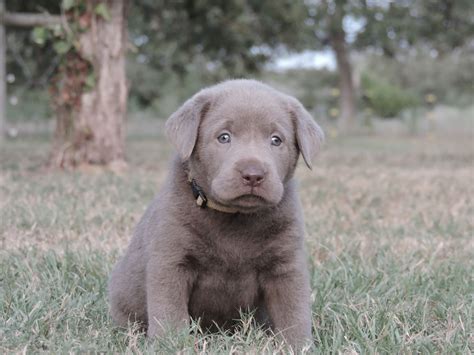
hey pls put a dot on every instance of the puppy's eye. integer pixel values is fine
(276, 141)
(224, 138)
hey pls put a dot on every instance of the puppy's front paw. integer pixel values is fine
(152, 331)
(157, 328)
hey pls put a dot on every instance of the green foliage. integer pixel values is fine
(444, 25)
(236, 36)
(394, 26)
(385, 99)
(62, 47)
(181, 46)
(64, 40)
(90, 81)
(312, 87)
(449, 78)
(68, 4)
(40, 35)
(102, 10)
(75, 72)
(27, 60)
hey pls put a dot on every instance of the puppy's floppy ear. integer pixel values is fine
(182, 126)
(309, 135)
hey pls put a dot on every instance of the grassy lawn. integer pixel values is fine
(390, 225)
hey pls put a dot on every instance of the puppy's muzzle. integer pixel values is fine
(252, 173)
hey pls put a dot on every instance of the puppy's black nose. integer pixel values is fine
(253, 175)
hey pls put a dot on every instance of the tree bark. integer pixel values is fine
(92, 132)
(347, 105)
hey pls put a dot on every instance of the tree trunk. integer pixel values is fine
(91, 131)
(346, 86)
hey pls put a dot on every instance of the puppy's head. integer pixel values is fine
(242, 140)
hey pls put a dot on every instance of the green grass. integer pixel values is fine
(389, 234)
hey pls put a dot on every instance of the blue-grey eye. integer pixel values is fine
(276, 141)
(224, 138)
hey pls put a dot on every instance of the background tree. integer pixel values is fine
(393, 28)
(325, 21)
(89, 91)
(337, 40)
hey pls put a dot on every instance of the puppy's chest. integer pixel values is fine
(227, 279)
(230, 257)
(237, 247)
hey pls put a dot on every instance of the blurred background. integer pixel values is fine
(361, 67)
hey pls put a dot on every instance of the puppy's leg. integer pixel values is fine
(168, 288)
(287, 299)
(127, 294)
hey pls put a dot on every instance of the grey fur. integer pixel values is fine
(185, 261)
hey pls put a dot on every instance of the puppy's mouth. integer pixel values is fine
(249, 200)
(247, 203)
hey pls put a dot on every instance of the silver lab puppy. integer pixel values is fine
(226, 231)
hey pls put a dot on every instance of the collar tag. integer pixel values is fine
(203, 202)
(200, 201)
(198, 194)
